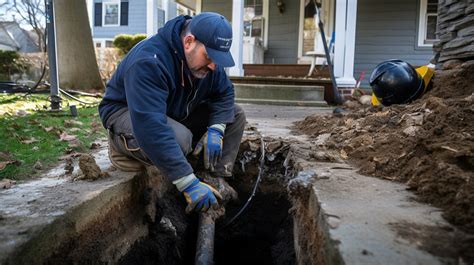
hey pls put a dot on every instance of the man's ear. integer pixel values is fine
(188, 41)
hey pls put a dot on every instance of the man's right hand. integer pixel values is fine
(200, 196)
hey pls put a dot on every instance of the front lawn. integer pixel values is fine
(32, 138)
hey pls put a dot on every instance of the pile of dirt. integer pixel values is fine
(429, 145)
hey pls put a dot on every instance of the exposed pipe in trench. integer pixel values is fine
(205, 240)
(207, 225)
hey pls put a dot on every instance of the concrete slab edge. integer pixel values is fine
(100, 229)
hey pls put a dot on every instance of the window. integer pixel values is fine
(254, 6)
(182, 10)
(254, 28)
(255, 12)
(428, 22)
(111, 13)
(161, 14)
(109, 44)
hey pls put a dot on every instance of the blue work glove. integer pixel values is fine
(211, 142)
(200, 196)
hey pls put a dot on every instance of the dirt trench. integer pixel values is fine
(262, 234)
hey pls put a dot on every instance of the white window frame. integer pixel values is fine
(104, 7)
(328, 17)
(101, 41)
(422, 24)
(265, 14)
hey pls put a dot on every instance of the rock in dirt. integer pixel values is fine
(69, 166)
(94, 146)
(90, 169)
(38, 165)
(6, 183)
(365, 100)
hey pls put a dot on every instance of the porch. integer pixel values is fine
(282, 84)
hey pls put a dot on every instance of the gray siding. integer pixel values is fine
(387, 30)
(136, 21)
(222, 7)
(283, 29)
(283, 34)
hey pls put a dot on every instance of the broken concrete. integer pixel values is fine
(57, 220)
(339, 216)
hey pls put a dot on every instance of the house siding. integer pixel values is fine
(222, 7)
(283, 29)
(283, 34)
(387, 30)
(136, 21)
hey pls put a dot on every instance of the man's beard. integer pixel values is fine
(196, 72)
(201, 72)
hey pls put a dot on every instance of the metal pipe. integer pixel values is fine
(52, 55)
(205, 239)
(335, 98)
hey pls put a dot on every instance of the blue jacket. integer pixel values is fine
(154, 82)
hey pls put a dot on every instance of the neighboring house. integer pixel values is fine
(15, 38)
(367, 32)
(108, 18)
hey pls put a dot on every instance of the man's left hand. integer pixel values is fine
(212, 142)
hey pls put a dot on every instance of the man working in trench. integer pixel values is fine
(168, 91)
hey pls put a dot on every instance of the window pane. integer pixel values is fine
(255, 6)
(432, 6)
(257, 28)
(111, 14)
(161, 18)
(432, 21)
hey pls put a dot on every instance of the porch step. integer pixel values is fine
(288, 70)
(276, 94)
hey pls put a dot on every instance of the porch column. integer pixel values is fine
(237, 38)
(151, 17)
(346, 15)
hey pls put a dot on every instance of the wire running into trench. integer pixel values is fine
(259, 177)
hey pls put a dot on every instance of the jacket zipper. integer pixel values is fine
(189, 102)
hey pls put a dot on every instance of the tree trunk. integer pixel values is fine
(77, 64)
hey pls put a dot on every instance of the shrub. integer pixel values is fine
(11, 63)
(125, 42)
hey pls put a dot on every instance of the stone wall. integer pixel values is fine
(454, 52)
(455, 30)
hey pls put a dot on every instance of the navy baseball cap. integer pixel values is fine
(215, 32)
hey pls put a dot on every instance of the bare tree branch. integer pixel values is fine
(31, 12)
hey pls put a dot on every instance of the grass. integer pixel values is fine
(38, 135)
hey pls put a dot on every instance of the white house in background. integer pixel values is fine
(108, 18)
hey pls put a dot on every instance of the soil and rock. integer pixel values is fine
(90, 169)
(428, 144)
